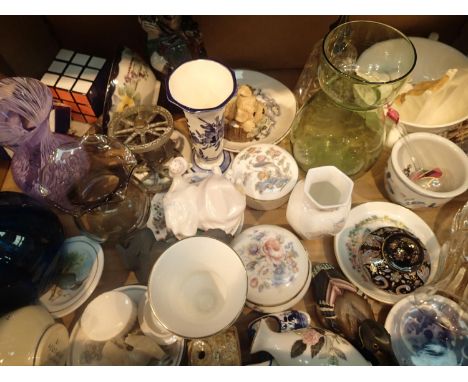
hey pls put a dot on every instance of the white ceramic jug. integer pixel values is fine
(306, 347)
(320, 204)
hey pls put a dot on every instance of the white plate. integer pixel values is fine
(83, 264)
(84, 351)
(366, 218)
(283, 97)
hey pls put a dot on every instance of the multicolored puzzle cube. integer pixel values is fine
(79, 81)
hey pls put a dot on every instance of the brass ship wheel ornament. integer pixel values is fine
(146, 131)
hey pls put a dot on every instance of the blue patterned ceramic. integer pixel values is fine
(30, 239)
(429, 330)
(395, 260)
(283, 321)
(202, 88)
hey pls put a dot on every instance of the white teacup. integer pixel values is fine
(432, 151)
(108, 316)
(197, 287)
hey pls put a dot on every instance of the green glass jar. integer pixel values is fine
(325, 134)
(362, 67)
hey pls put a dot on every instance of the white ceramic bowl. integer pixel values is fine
(108, 316)
(29, 336)
(433, 60)
(197, 287)
(277, 267)
(267, 174)
(433, 151)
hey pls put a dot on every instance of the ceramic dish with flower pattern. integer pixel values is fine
(277, 265)
(366, 218)
(267, 174)
(280, 107)
(84, 351)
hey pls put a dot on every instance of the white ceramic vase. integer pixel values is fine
(202, 88)
(306, 347)
(320, 204)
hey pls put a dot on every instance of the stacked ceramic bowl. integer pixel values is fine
(278, 267)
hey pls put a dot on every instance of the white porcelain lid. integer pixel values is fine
(265, 171)
(276, 262)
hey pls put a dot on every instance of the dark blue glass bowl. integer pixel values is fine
(30, 238)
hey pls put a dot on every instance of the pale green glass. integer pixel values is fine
(361, 68)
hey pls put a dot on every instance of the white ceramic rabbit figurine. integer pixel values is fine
(213, 203)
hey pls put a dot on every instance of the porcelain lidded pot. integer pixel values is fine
(278, 268)
(306, 347)
(267, 173)
(320, 204)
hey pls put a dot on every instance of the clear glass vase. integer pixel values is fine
(362, 66)
(91, 180)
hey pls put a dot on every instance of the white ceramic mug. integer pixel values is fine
(432, 151)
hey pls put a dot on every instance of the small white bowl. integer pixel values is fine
(267, 174)
(433, 151)
(110, 315)
(197, 287)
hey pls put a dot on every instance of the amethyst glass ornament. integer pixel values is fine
(25, 105)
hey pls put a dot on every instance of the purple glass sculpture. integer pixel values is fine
(25, 105)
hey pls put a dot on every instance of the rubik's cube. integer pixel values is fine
(78, 81)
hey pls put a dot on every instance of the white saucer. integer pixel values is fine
(366, 218)
(84, 351)
(83, 262)
(283, 97)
